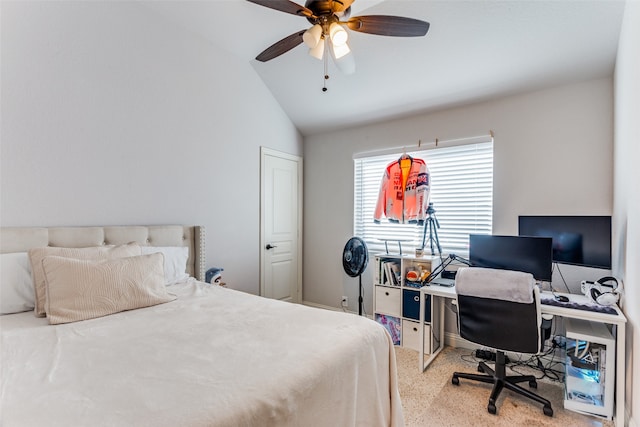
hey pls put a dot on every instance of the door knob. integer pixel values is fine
(269, 246)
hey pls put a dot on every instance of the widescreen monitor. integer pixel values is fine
(577, 240)
(526, 254)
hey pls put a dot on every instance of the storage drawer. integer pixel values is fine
(387, 301)
(411, 336)
(411, 305)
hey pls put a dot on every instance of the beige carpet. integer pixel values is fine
(429, 398)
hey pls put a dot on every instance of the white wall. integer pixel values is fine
(626, 222)
(111, 115)
(553, 154)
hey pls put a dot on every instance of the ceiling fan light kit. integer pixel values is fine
(346, 64)
(312, 36)
(340, 50)
(318, 50)
(325, 15)
(338, 35)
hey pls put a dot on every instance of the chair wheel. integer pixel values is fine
(491, 408)
(455, 381)
(533, 384)
(548, 411)
(480, 369)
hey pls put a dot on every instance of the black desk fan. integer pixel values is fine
(354, 260)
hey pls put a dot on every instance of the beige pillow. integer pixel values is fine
(98, 252)
(85, 289)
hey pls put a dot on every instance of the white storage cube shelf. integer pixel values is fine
(397, 299)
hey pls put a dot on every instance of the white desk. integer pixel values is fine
(440, 293)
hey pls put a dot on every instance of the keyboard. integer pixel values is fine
(586, 307)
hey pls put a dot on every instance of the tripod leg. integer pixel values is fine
(435, 233)
(431, 230)
(424, 232)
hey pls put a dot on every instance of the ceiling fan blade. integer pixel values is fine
(280, 47)
(285, 6)
(385, 25)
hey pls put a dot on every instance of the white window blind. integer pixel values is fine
(461, 180)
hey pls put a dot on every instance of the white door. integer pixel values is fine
(281, 226)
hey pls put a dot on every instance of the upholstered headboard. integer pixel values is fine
(21, 239)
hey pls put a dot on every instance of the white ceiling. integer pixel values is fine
(474, 50)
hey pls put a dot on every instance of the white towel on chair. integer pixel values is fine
(506, 285)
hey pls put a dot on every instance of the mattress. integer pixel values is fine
(212, 357)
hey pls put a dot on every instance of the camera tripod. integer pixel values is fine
(432, 224)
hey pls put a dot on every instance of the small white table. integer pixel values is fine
(440, 293)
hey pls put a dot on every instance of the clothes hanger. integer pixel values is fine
(404, 155)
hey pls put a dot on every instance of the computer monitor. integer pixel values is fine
(528, 254)
(577, 240)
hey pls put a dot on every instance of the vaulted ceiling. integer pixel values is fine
(474, 50)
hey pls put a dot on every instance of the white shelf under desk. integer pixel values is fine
(618, 321)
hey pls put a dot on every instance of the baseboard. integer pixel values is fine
(454, 340)
(328, 307)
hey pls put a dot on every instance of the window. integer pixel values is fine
(461, 180)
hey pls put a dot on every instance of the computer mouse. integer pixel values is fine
(562, 298)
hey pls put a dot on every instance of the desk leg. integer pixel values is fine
(440, 328)
(421, 329)
(620, 373)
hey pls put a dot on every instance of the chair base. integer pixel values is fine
(500, 381)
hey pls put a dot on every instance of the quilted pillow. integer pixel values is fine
(95, 253)
(85, 289)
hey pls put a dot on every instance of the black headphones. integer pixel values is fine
(605, 291)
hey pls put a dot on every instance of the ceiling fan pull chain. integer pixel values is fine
(326, 66)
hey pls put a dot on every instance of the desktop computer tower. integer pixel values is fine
(590, 368)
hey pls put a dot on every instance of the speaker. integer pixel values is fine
(604, 291)
(545, 327)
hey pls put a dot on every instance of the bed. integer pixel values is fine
(208, 356)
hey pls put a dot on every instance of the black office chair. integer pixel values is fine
(501, 310)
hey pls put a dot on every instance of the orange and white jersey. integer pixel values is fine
(404, 199)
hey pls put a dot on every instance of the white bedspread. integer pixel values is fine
(213, 357)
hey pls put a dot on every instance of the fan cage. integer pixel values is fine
(355, 257)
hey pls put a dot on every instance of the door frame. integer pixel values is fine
(264, 151)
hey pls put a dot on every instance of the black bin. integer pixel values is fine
(411, 305)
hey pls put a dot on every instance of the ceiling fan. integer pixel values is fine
(328, 33)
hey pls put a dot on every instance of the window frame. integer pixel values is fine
(463, 167)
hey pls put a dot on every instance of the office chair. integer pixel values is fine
(501, 310)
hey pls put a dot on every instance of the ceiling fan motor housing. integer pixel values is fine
(329, 7)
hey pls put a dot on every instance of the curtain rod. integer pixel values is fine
(426, 145)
